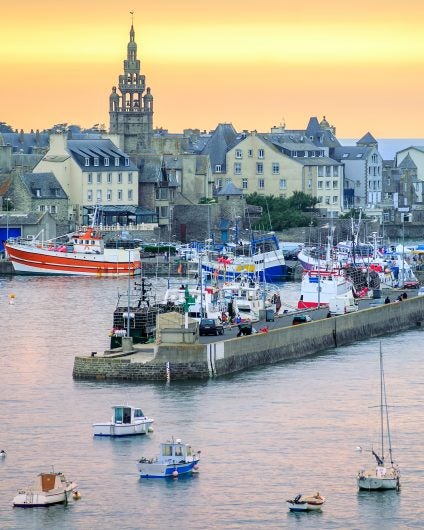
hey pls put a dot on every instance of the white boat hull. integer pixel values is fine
(162, 470)
(128, 429)
(376, 484)
(34, 499)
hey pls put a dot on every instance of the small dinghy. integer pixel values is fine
(306, 503)
(2, 453)
(175, 458)
(49, 488)
(126, 421)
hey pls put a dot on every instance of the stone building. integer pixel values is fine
(131, 105)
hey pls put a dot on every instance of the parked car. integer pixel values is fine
(301, 319)
(210, 326)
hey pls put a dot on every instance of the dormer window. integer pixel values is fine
(96, 160)
(106, 161)
(117, 161)
(87, 161)
(127, 161)
(218, 168)
(37, 192)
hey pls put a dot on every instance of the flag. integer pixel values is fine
(180, 268)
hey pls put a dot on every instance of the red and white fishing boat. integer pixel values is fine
(83, 255)
(318, 287)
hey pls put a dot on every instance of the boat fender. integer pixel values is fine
(76, 495)
(175, 473)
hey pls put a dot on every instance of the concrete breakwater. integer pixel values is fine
(191, 360)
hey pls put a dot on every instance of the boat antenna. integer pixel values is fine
(269, 217)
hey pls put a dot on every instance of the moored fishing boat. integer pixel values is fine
(318, 287)
(126, 421)
(175, 458)
(49, 488)
(83, 254)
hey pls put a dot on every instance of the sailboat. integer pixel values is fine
(383, 476)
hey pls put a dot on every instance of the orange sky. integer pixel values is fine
(252, 63)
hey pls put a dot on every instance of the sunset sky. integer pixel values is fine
(252, 63)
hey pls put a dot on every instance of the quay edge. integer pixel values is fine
(191, 361)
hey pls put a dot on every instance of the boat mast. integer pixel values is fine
(381, 404)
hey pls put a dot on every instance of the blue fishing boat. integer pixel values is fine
(175, 458)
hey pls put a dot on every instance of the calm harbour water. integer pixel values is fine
(265, 434)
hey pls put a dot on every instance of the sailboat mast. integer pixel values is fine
(389, 438)
(381, 403)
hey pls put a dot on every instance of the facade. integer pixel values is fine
(131, 105)
(417, 155)
(275, 164)
(91, 172)
(363, 170)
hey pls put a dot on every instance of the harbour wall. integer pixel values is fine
(202, 361)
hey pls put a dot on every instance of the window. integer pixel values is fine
(283, 184)
(320, 184)
(42, 208)
(90, 178)
(309, 184)
(335, 184)
(119, 195)
(38, 192)
(87, 161)
(237, 168)
(127, 161)
(244, 184)
(130, 195)
(327, 200)
(99, 196)
(57, 192)
(109, 195)
(239, 153)
(219, 183)
(53, 209)
(96, 160)
(328, 171)
(327, 184)
(116, 160)
(106, 161)
(320, 171)
(163, 211)
(275, 168)
(99, 178)
(259, 168)
(218, 168)
(335, 199)
(261, 184)
(261, 153)
(119, 178)
(89, 195)
(345, 155)
(320, 198)
(250, 152)
(130, 178)
(109, 178)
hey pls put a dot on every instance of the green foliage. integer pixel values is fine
(206, 200)
(353, 213)
(283, 213)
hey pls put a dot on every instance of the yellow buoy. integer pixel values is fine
(76, 495)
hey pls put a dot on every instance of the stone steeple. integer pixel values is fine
(131, 112)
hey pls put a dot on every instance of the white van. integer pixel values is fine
(340, 305)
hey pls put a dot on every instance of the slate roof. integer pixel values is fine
(351, 152)
(219, 143)
(18, 218)
(367, 139)
(153, 169)
(128, 209)
(100, 148)
(47, 183)
(407, 163)
(28, 142)
(230, 189)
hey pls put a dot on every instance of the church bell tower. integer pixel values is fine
(131, 105)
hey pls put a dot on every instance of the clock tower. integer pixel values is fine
(131, 105)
